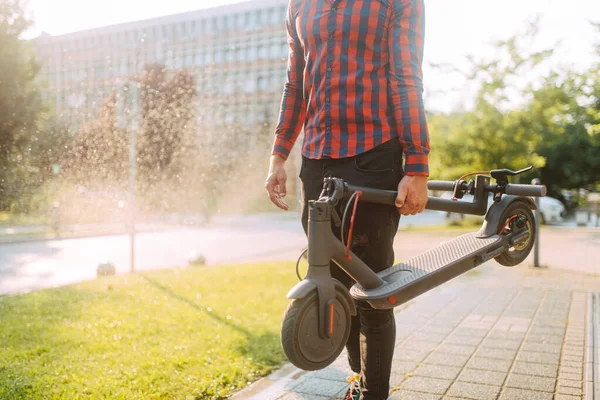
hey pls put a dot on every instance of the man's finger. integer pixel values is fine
(401, 197)
(282, 189)
(276, 199)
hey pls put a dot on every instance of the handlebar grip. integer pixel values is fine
(446, 186)
(526, 190)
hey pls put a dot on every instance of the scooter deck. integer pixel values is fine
(421, 273)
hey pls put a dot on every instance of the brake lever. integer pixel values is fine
(513, 173)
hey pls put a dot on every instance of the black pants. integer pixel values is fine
(373, 332)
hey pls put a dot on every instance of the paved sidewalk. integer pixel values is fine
(494, 333)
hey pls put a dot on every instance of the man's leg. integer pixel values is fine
(311, 175)
(374, 231)
(372, 337)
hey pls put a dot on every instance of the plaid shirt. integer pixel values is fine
(354, 79)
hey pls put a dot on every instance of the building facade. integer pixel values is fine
(238, 54)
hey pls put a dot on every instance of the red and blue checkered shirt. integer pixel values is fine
(354, 79)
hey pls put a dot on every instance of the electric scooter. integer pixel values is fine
(316, 323)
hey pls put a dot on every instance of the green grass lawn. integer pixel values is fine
(173, 334)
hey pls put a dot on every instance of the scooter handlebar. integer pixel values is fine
(526, 190)
(444, 186)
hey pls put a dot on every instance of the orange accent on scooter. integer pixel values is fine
(392, 300)
(331, 310)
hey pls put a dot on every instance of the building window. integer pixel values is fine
(225, 22)
(262, 52)
(250, 52)
(259, 18)
(272, 16)
(285, 49)
(274, 51)
(261, 83)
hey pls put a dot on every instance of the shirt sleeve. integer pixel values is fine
(406, 42)
(293, 106)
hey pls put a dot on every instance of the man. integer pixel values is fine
(354, 83)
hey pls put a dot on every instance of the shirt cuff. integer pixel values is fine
(282, 147)
(416, 165)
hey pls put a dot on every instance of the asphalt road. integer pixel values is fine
(36, 265)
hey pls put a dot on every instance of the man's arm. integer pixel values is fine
(291, 116)
(406, 42)
(293, 107)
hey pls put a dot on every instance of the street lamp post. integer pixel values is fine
(128, 110)
(536, 244)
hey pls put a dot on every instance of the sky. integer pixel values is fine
(454, 29)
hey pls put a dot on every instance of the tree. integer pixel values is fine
(100, 149)
(20, 101)
(167, 107)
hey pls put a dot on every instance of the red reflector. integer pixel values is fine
(392, 300)
(331, 318)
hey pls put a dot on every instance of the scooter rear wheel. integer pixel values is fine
(300, 338)
(519, 217)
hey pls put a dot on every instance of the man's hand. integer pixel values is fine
(412, 195)
(276, 179)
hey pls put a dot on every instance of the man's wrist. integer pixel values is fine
(277, 159)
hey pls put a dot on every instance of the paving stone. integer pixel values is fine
(429, 337)
(410, 395)
(515, 336)
(420, 345)
(483, 377)
(427, 385)
(531, 382)
(463, 340)
(542, 347)
(503, 354)
(318, 387)
(537, 357)
(402, 354)
(437, 371)
(543, 338)
(489, 364)
(569, 390)
(551, 322)
(501, 344)
(526, 368)
(453, 360)
(457, 349)
(572, 349)
(438, 329)
(546, 330)
(566, 397)
(474, 391)
(573, 358)
(332, 373)
(570, 364)
(396, 379)
(302, 396)
(471, 332)
(572, 377)
(520, 394)
(571, 370)
(578, 384)
(404, 367)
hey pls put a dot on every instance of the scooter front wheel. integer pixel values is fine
(517, 218)
(300, 338)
